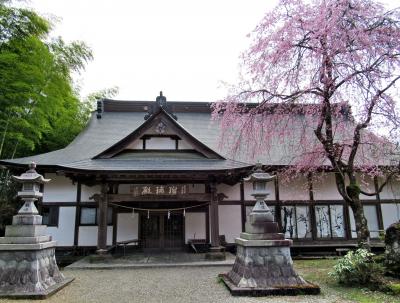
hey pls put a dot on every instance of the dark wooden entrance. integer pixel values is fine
(157, 232)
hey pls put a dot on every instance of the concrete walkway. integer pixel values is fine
(150, 260)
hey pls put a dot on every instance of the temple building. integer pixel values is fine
(156, 173)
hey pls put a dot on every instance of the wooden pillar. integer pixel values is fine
(278, 208)
(214, 216)
(313, 219)
(115, 225)
(77, 213)
(102, 221)
(114, 190)
(242, 206)
(207, 224)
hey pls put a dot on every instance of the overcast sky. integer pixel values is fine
(184, 48)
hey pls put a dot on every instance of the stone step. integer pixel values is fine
(19, 247)
(24, 240)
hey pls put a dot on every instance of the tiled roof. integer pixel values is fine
(121, 118)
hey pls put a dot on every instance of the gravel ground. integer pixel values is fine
(196, 284)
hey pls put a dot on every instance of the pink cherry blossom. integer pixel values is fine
(319, 78)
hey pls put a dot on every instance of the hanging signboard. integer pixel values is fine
(140, 190)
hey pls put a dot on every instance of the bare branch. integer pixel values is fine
(365, 123)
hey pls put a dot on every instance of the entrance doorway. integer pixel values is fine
(157, 232)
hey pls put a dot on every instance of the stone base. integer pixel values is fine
(41, 295)
(308, 289)
(268, 236)
(102, 252)
(261, 228)
(265, 267)
(28, 271)
(27, 220)
(25, 230)
(216, 254)
(25, 240)
(103, 256)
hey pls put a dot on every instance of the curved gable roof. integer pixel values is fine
(177, 128)
(118, 124)
(121, 119)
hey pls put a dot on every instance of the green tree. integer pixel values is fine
(39, 108)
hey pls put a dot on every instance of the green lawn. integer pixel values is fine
(317, 271)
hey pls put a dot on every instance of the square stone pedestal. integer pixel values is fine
(28, 267)
(265, 267)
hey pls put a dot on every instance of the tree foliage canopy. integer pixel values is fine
(323, 74)
(39, 107)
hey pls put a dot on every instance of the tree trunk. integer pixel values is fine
(363, 235)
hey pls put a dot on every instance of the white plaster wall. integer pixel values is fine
(88, 191)
(248, 190)
(160, 143)
(230, 222)
(88, 235)
(127, 226)
(195, 226)
(59, 189)
(296, 189)
(324, 187)
(232, 192)
(390, 213)
(64, 233)
(391, 190)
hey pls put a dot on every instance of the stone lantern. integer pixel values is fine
(261, 219)
(263, 264)
(28, 267)
(31, 181)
